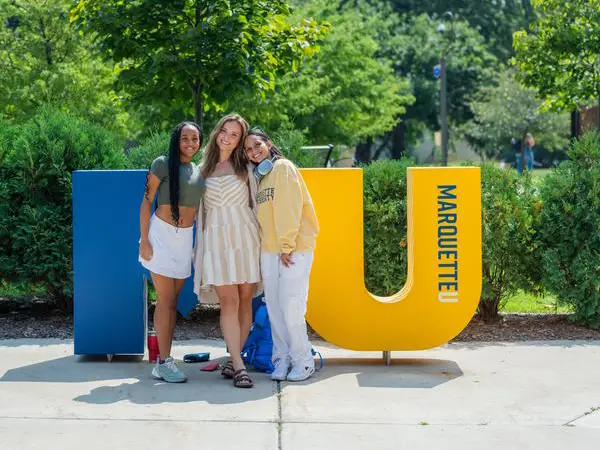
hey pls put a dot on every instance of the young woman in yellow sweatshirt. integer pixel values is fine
(288, 228)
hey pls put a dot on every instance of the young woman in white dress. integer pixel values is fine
(228, 245)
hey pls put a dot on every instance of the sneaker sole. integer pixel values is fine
(158, 377)
(301, 379)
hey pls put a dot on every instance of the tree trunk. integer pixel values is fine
(398, 144)
(488, 309)
(198, 104)
(47, 44)
(575, 124)
(523, 161)
(363, 151)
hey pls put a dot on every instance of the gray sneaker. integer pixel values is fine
(168, 371)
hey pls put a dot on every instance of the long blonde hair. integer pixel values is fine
(529, 140)
(238, 157)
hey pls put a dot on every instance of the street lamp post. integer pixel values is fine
(444, 86)
(444, 110)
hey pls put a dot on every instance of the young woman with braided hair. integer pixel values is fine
(166, 244)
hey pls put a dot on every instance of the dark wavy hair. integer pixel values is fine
(174, 164)
(276, 153)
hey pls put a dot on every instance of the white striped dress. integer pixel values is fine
(231, 235)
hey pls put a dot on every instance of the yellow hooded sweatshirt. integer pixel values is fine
(287, 218)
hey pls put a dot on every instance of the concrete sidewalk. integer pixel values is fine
(460, 396)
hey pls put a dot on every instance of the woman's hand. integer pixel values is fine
(286, 259)
(146, 251)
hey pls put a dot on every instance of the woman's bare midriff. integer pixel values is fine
(187, 215)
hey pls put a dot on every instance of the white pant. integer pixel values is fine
(286, 294)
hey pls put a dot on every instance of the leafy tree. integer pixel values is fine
(560, 56)
(494, 20)
(510, 259)
(174, 54)
(414, 45)
(44, 61)
(344, 93)
(36, 195)
(510, 110)
(568, 230)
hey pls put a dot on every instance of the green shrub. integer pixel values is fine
(35, 191)
(568, 230)
(8, 134)
(385, 226)
(153, 146)
(509, 249)
(291, 141)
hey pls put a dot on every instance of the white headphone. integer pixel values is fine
(262, 169)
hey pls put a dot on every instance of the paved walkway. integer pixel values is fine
(460, 396)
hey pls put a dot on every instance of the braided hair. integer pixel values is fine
(174, 164)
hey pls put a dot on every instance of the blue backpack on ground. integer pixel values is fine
(258, 349)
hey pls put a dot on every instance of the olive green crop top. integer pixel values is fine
(191, 183)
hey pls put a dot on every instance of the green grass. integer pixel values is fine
(540, 173)
(528, 303)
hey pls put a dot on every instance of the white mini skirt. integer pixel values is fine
(172, 249)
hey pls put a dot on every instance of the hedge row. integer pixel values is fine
(536, 236)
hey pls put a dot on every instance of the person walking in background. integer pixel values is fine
(166, 243)
(288, 227)
(528, 144)
(228, 246)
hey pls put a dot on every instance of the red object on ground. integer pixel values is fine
(210, 367)
(152, 346)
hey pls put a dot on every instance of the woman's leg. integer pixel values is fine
(530, 159)
(293, 289)
(229, 301)
(178, 285)
(245, 310)
(270, 270)
(165, 313)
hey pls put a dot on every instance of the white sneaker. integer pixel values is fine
(300, 373)
(282, 367)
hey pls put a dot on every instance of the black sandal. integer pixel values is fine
(227, 371)
(242, 380)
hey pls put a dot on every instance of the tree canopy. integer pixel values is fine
(193, 55)
(344, 93)
(44, 61)
(560, 55)
(508, 111)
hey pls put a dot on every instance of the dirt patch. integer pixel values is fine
(204, 323)
(527, 327)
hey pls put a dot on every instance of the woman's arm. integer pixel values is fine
(287, 207)
(152, 183)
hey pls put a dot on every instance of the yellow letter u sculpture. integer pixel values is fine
(444, 261)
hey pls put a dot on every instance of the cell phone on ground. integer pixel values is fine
(196, 357)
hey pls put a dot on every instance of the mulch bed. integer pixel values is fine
(42, 322)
